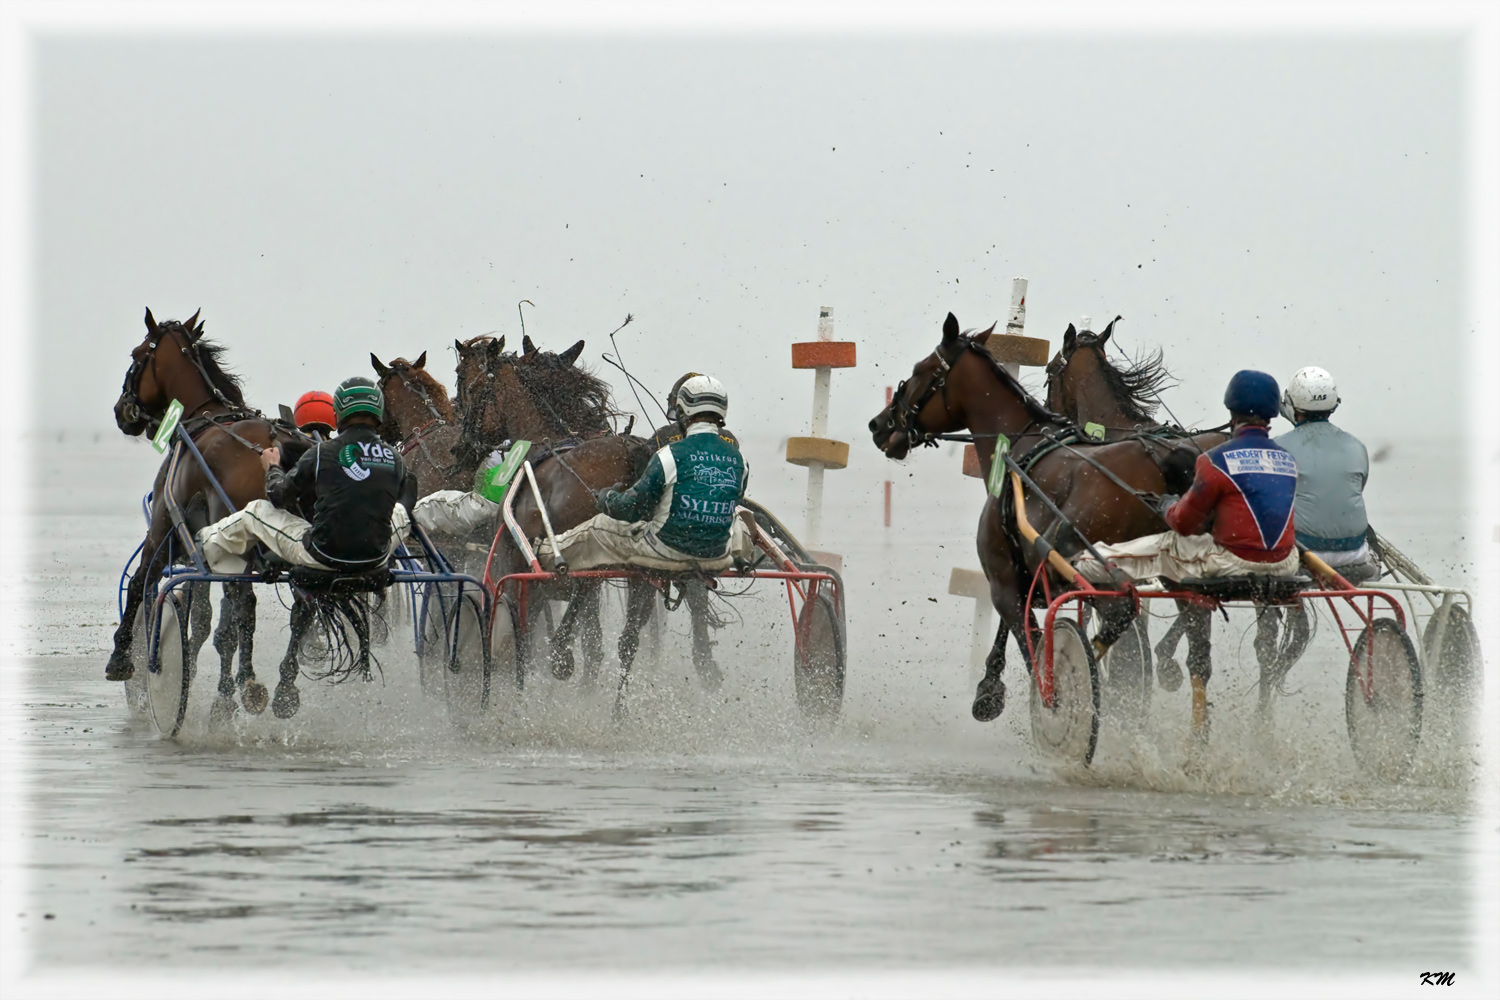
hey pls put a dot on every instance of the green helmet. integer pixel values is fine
(358, 395)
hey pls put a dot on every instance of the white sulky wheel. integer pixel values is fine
(466, 679)
(1069, 730)
(136, 701)
(1455, 669)
(167, 685)
(505, 650)
(1383, 700)
(819, 664)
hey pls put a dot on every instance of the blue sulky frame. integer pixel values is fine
(407, 568)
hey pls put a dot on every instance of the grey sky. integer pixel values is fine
(1243, 202)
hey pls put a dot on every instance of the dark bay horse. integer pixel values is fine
(1085, 385)
(421, 421)
(174, 361)
(959, 386)
(547, 398)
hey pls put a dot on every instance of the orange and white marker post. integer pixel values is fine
(1012, 349)
(817, 451)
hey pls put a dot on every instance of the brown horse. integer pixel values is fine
(1085, 385)
(174, 361)
(421, 421)
(959, 386)
(543, 397)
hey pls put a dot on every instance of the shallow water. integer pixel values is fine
(714, 831)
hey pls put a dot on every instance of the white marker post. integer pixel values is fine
(817, 452)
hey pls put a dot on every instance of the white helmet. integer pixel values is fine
(1311, 391)
(702, 394)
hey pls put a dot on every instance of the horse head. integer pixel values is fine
(159, 374)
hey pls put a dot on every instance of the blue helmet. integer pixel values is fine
(1254, 393)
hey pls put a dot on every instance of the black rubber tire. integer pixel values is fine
(819, 661)
(170, 677)
(1069, 730)
(1385, 729)
(466, 678)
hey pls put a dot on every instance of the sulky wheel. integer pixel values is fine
(505, 648)
(466, 681)
(1069, 730)
(168, 678)
(1454, 670)
(1383, 700)
(819, 662)
(433, 654)
(1128, 677)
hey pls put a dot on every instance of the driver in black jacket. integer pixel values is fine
(356, 485)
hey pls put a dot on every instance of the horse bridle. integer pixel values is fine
(132, 388)
(904, 411)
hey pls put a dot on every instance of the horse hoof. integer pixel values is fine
(222, 712)
(710, 676)
(562, 663)
(253, 695)
(286, 702)
(119, 668)
(989, 701)
(1168, 673)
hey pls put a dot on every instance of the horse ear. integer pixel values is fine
(571, 354)
(500, 344)
(950, 329)
(380, 369)
(1070, 337)
(527, 347)
(150, 320)
(1109, 329)
(421, 362)
(192, 321)
(984, 337)
(458, 345)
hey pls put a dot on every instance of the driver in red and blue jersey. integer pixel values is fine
(1237, 518)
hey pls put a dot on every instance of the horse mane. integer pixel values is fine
(577, 396)
(1034, 406)
(1136, 386)
(211, 356)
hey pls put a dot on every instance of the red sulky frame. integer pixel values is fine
(1361, 603)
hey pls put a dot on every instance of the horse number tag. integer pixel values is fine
(168, 426)
(996, 483)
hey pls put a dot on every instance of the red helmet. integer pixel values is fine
(314, 411)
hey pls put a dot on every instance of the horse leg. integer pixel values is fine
(287, 700)
(200, 617)
(709, 674)
(560, 654)
(1168, 670)
(253, 694)
(121, 667)
(1200, 668)
(989, 697)
(591, 634)
(637, 610)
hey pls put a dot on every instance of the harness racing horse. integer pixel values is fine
(540, 396)
(174, 361)
(1084, 384)
(420, 420)
(1102, 490)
